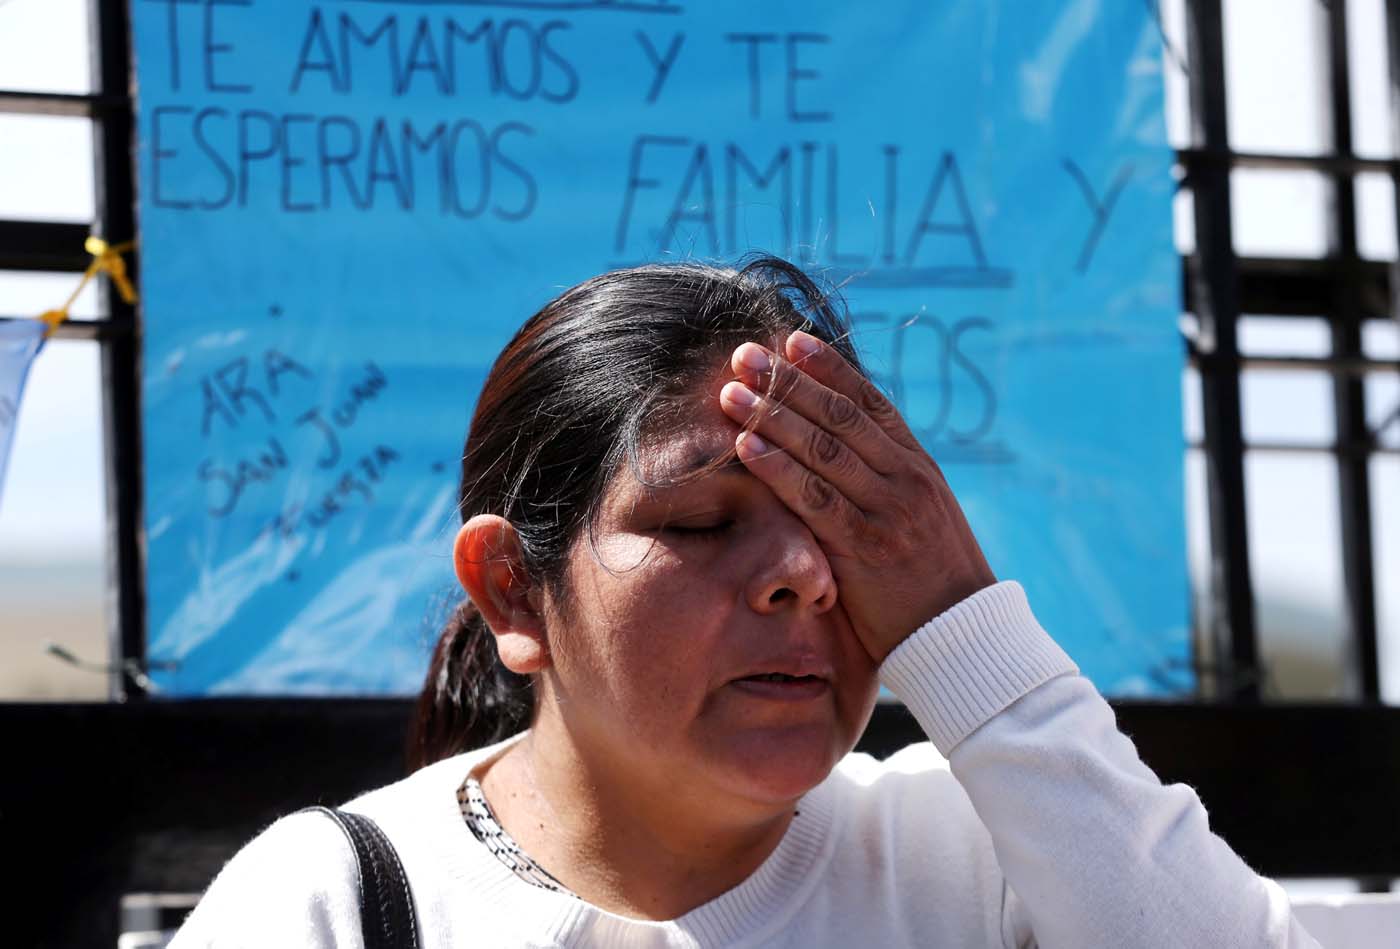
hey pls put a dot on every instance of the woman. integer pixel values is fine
(696, 541)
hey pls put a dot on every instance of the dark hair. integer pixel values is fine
(569, 400)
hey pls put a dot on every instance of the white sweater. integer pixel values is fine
(1045, 831)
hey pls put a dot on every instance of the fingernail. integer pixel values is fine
(754, 357)
(740, 394)
(752, 444)
(805, 344)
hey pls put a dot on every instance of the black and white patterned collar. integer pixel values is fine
(485, 828)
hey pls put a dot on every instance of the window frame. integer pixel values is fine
(1342, 288)
(49, 246)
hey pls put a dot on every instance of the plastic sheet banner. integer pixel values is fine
(348, 207)
(20, 342)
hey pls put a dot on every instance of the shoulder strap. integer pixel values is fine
(387, 919)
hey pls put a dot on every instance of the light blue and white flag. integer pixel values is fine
(20, 342)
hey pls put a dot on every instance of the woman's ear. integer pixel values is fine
(491, 568)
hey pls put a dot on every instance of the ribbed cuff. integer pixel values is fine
(964, 666)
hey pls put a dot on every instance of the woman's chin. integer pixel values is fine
(777, 765)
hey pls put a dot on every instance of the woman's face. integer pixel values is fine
(703, 637)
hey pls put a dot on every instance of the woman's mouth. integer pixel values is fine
(782, 687)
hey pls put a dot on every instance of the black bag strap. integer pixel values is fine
(387, 919)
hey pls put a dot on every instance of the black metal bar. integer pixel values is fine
(1308, 287)
(1306, 448)
(100, 330)
(14, 102)
(1282, 286)
(1392, 33)
(44, 245)
(1191, 157)
(121, 356)
(1349, 394)
(1353, 366)
(1338, 367)
(1215, 301)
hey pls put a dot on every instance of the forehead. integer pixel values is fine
(687, 446)
(690, 434)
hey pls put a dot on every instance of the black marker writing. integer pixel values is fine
(955, 354)
(213, 47)
(367, 471)
(962, 386)
(339, 68)
(672, 184)
(423, 57)
(635, 181)
(366, 390)
(224, 169)
(355, 484)
(344, 414)
(323, 162)
(891, 201)
(331, 458)
(781, 165)
(794, 71)
(833, 214)
(264, 466)
(227, 391)
(229, 387)
(795, 74)
(754, 42)
(690, 206)
(514, 58)
(210, 44)
(661, 63)
(964, 225)
(158, 154)
(1101, 209)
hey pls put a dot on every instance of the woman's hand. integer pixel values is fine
(839, 454)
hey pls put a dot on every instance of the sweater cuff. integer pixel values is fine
(969, 663)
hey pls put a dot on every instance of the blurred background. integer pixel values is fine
(1304, 550)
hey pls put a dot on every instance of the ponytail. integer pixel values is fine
(469, 699)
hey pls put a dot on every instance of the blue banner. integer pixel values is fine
(348, 207)
(20, 342)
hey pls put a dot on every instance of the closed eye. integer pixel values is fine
(699, 531)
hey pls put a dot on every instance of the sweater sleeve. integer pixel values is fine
(295, 884)
(1096, 850)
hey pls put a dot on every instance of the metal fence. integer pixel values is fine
(1342, 287)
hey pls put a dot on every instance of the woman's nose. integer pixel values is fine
(793, 572)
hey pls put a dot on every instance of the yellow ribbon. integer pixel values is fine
(106, 258)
